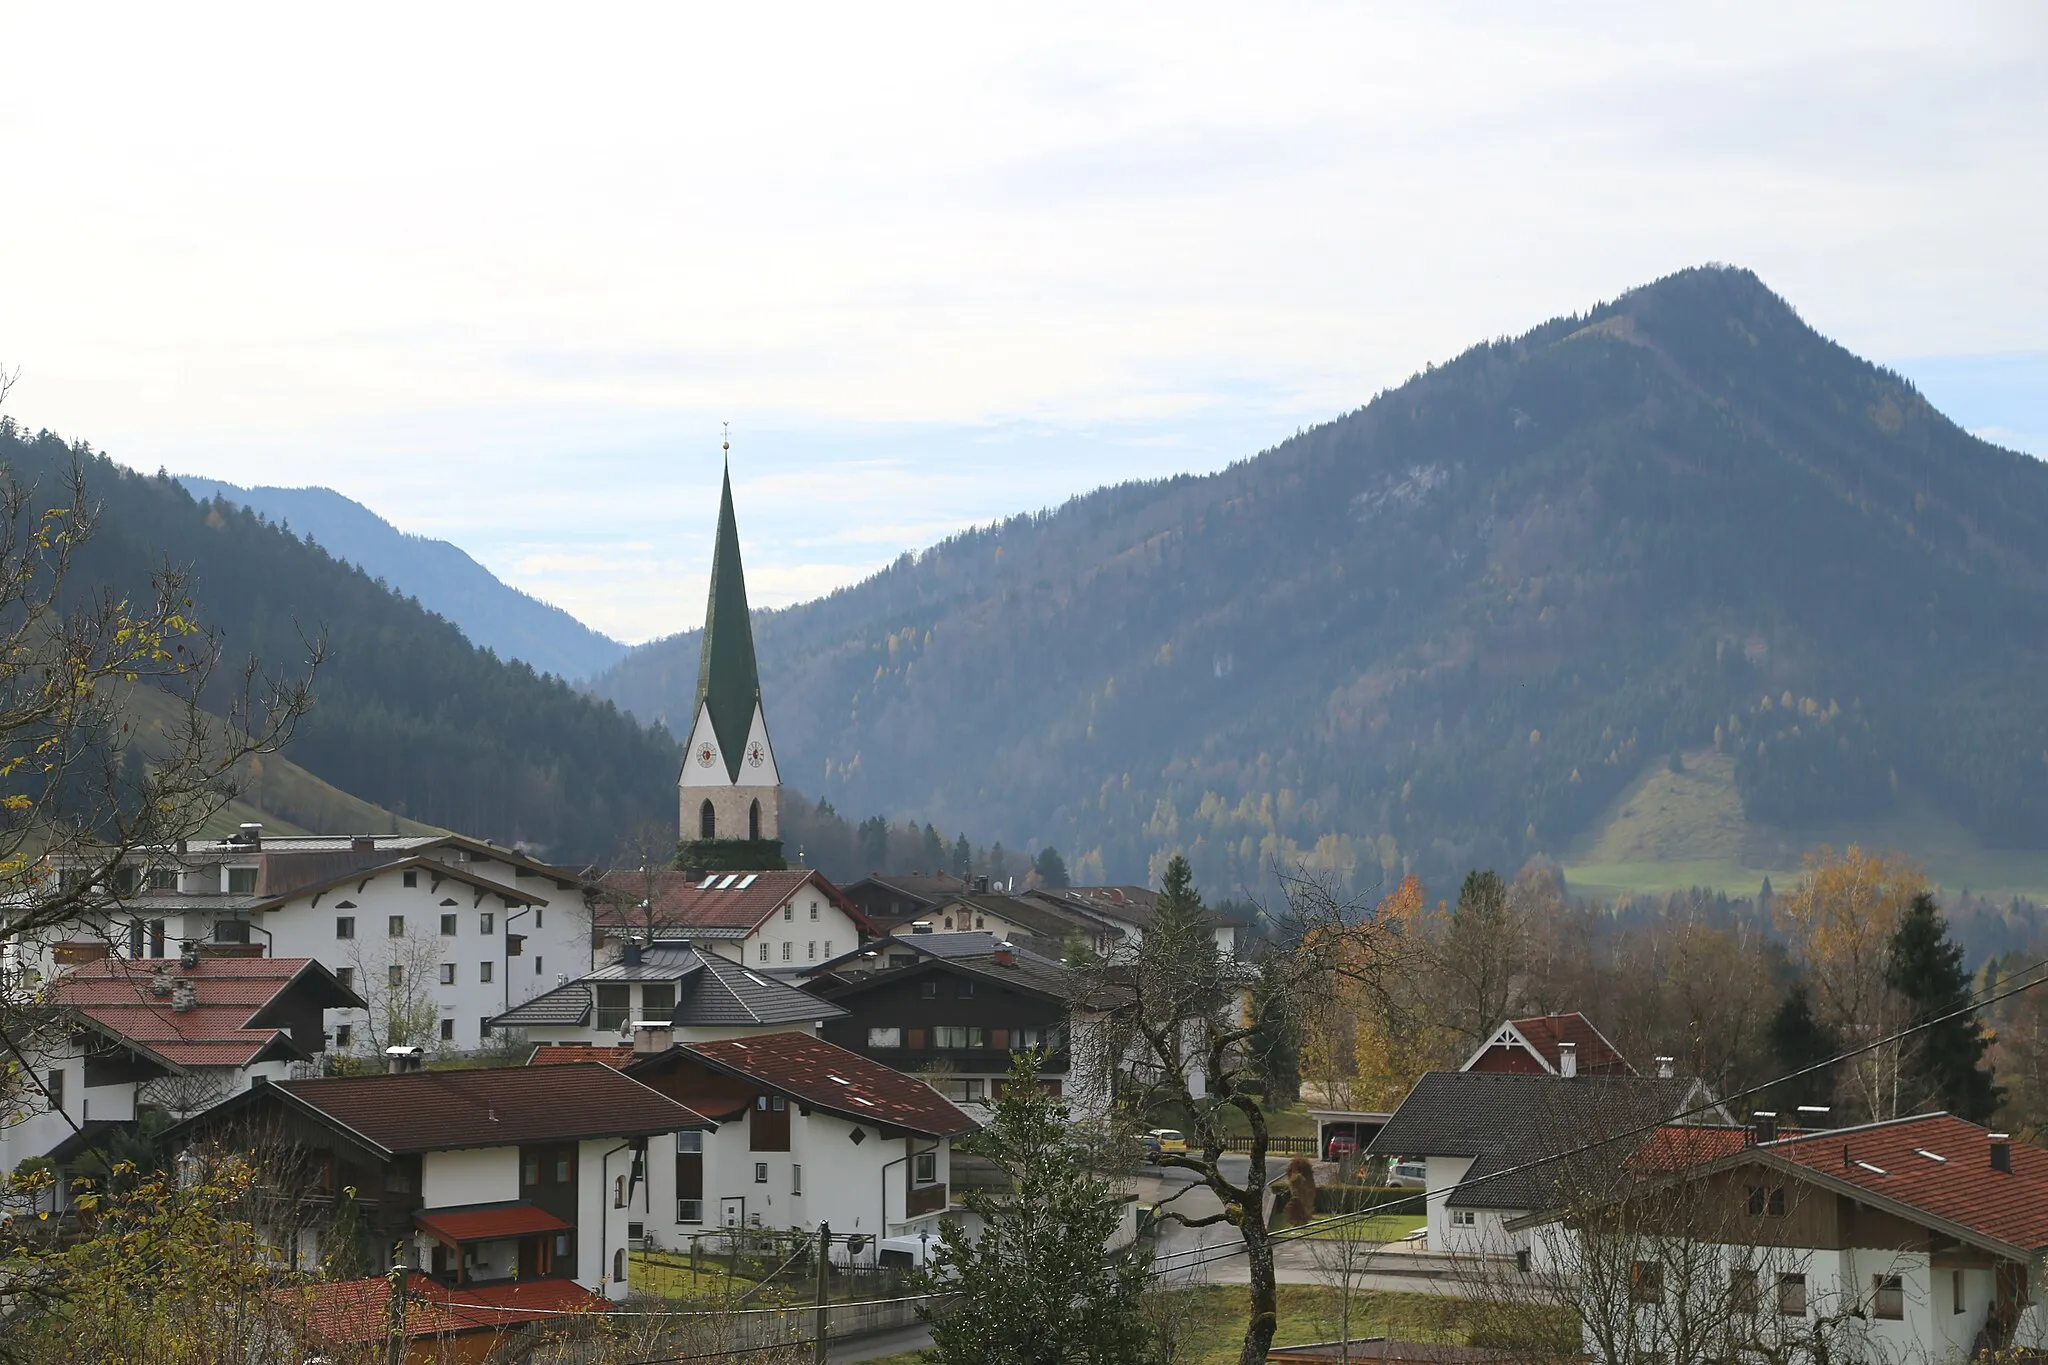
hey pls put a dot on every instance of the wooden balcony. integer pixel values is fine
(928, 1199)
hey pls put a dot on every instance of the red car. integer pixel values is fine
(1341, 1146)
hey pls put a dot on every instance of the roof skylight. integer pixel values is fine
(730, 878)
(748, 880)
(1931, 1156)
(705, 885)
(1874, 1170)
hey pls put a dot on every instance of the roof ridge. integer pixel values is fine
(1870, 1127)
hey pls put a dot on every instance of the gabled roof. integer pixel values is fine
(1128, 904)
(927, 887)
(1515, 1128)
(614, 1055)
(728, 683)
(237, 1004)
(1044, 919)
(718, 905)
(1540, 1039)
(1027, 971)
(436, 1111)
(825, 1076)
(328, 872)
(711, 992)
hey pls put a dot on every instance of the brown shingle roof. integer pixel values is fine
(230, 997)
(430, 1111)
(709, 903)
(826, 1076)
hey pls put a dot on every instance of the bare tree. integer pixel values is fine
(396, 978)
(1344, 1255)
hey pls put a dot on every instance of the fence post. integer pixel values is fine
(824, 1292)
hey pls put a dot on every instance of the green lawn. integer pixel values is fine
(1211, 1320)
(1388, 1228)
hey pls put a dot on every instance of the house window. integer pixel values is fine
(964, 990)
(483, 970)
(796, 1179)
(619, 1192)
(536, 964)
(928, 990)
(231, 931)
(529, 1173)
(689, 1210)
(156, 938)
(813, 950)
(1646, 1282)
(760, 1173)
(814, 909)
(1888, 1297)
(1522, 1259)
(346, 976)
(614, 1003)
(1763, 1201)
(788, 913)
(958, 1036)
(540, 916)
(396, 975)
(447, 1030)
(828, 948)
(1955, 1284)
(487, 923)
(53, 1087)
(344, 926)
(927, 1167)
(394, 927)
(657, 1000)
(342, 1034)
(980, 923)
(764, 952)
(412, 879)
(688, 1143)
(241, 881)
(707, 821)
(788, 949)
(1742, 1296)
(562, 1168)
(1464, 1218)
(448, 926)
(1792, 1296)
(447, 973)
(754, 820)
(135, 943)
(914, 1039)
(885, 1037)
(163, 879)
(483, 1025)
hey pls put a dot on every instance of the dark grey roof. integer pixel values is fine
(710, 991)
(1506, 1121)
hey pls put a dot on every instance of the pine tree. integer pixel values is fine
(1800, 1040)
(1925, 967)
(963, 857)
(1050, 868)
(1036, 1286)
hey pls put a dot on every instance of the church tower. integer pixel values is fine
(731, 794)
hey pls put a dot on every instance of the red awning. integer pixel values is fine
(489, 1223)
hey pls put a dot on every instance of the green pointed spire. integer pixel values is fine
(727, 680)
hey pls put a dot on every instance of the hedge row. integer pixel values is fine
(1360, 1198)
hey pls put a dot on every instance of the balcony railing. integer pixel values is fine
(927, 1199)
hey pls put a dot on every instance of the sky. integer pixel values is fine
(504, 272)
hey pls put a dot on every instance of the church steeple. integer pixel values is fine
(728, 682)
(730, 791)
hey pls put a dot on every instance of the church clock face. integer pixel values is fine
(706, 755)
(757, 753)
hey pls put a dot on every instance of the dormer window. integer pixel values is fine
(241, 881)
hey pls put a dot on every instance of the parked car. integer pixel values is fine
(1414, 1174)
(1148, 1148)
(1341, 1146)
(1170, 1140)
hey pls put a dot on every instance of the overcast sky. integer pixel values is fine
(501, 272)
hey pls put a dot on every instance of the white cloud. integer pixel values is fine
(500, 271)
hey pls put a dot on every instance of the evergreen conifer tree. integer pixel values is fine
(963, 857)
(1925, 967)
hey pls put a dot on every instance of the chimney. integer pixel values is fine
(1667, 1067)
(629, 952)
(160, 980)
(651, 1036)
(981, 886)
(1004, 957)
(252, 834)
(1814, 1117)
(188, 955)
(2001, 1152)
(363, 843)
(184, 996)
(1763, 1126)
(1568, 1060)
(399, 1060)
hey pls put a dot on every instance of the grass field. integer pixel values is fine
(1672, 831)
(1388, 1228)
(1211, 1320)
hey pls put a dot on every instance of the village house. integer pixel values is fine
(696, 995)
(1912, 1239)
(806, 1133)
(1552, 1045)
(776, 922)
(120, 1037)
(435, 933)
(487, 1176)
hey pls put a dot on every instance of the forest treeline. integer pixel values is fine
(1448, 629)
(1737, 993)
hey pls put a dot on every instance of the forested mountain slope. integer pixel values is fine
(408, 714)
(1450, 627)
(442, 576)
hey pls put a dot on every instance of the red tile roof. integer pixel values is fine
(230, 994)
(488, 1222)
(829, 1077)
(1544, 1032)
(1676, 1146)
(1892, 1160)
(433, 1111)
(682, 904)
(562, 1054)
(356, 1312)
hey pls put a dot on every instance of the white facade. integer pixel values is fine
(801, 932)
(825, 1176)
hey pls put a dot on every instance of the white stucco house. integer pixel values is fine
(443, 931)
(776, 922)
(806, 1133)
